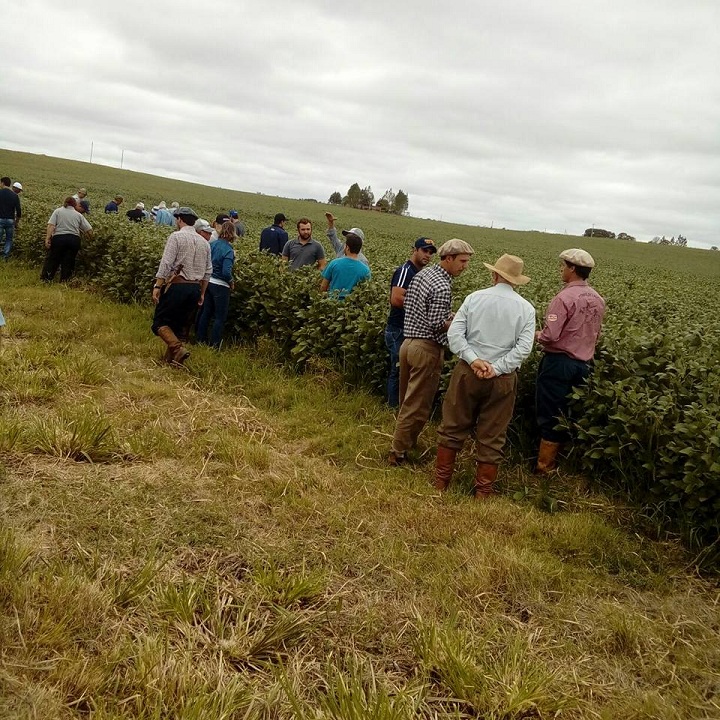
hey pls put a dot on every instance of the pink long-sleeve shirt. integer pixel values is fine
(572, 321)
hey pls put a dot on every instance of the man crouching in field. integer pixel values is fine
(180, 283)
(568, 338)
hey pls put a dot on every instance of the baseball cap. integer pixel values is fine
(355, 231)
(455, 247)
(578, 256)
(221, 218)
(17, 185)
(203, 226)
(233, 213)
(140, 206)
(423, 243)
(279, 218)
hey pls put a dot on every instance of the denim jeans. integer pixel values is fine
(393, 341)
(7, 228)
(215, 306)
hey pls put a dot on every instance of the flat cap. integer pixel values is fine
(455, 247)
(578, 256)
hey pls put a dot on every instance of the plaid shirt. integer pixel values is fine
(428, 304)
(185, 247)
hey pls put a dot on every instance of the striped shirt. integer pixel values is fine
(428, 305)
(401, 278)
(185, 247)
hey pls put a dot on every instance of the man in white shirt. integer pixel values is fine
(492, 333)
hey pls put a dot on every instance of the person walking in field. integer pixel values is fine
(343, 273)
(10, 214)
(423, 250)
(62, 240)
(163, 216)
(274, 237)
(217, 297)
(339, 246)
(428, 304)
(137, 214)
(570, 333)
(492, 334)
(304, 250)
(180, 283)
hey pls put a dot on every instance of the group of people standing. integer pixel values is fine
(492, 334)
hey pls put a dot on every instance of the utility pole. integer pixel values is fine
(92, 143)
(122, 157)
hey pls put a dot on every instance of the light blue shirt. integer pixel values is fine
(496, 325)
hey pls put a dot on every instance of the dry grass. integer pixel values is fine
(226, 542)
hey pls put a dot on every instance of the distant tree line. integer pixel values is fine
(600, 233)
(364, 199)
(680, 241)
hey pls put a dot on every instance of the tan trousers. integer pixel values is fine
(485, 405)
(420, 367)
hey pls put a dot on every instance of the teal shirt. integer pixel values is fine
(344, 274)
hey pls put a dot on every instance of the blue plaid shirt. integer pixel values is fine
(428, 305)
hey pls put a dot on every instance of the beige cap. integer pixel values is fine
(510, 267)
(577, 256)
(455, 247)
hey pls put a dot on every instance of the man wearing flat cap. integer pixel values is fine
(180, 283)
(423, 250)
(568, 339)
(492, 334)
(428, 314)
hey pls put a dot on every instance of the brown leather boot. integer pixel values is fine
(444, 467)
(546, 457)
(485, 475)
(176, 352)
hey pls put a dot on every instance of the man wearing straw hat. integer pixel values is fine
(492, 333)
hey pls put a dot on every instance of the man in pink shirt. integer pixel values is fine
(568, 338)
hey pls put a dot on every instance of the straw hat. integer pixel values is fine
(510, 267)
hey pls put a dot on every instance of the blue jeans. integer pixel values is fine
(215, 305)
(7, 228)
(393, 340)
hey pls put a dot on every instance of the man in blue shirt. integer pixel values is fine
(422, 253)
(273, 238)
(344, 273)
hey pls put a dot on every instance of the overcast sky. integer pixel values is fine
(552, 115)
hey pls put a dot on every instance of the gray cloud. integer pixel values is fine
(531, 116)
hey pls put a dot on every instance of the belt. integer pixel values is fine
(183, 281)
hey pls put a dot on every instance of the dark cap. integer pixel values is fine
(233, 213)
(423, 243)
(185, 211)
(279, 218)
(221, 218)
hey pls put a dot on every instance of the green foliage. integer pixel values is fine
(646, 422)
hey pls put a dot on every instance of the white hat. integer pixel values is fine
(203, 226)
(577, 256)
(140, 206)
(354, 231)
(17, 185)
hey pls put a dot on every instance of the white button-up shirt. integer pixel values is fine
(496, 325)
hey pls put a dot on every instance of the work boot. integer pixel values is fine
(546, 457)
(444, 467)
(485, 475)
(395, 459)
(176, 352)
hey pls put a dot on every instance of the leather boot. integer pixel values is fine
(444, 467)
(546, 457)
(176, 352)
(485, 475)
